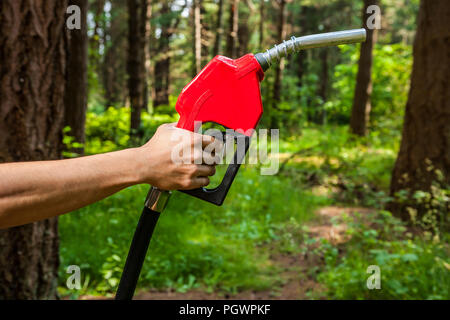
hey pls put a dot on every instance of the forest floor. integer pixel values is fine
(297, 269)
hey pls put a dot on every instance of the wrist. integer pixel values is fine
(142, 163)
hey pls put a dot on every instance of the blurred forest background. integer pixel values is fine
(364, 151)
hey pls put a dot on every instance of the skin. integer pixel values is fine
(33, 191)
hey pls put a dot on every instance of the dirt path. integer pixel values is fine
(297, 278)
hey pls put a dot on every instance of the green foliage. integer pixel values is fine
(412, 267)
(390, 76)
(428, 209)
(195, 244)
(330, 156)
(70, 144)
(109, 130)
(228, 249)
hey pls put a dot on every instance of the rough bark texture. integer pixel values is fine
(75, 101)
(426, 130)
(363, 90)
(33, 71)
(233, 25)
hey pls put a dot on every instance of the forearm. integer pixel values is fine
(32, 191)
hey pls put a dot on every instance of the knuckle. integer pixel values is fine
(185, 184)
(192, 171)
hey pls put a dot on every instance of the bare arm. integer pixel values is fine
(32, 191)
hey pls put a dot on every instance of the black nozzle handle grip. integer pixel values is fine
(217, 195)
(136, 255)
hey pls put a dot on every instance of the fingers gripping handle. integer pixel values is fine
(217, 195)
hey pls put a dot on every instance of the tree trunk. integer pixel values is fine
(219, 30)
(94, 41)
(75, 101)
(98, 6)
(161, 80)
(301, 61)
(243, 37)
(115, 57)
(146, 12)
(206, 36)
(363, 90)
(281, 34)
(261, 24)
(161, 70)
(232, 38)
(323, 87)
(425, 144)
(135, 64)
(197, 36)
(162, 65)
(33, 71)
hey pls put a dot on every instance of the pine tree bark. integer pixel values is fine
(75, 101)
(363, 90)
(32, 75)
(425, 144)
(233, 25)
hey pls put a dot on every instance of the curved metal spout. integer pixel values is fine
(296, 44)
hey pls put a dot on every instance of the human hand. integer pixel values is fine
(174, 159)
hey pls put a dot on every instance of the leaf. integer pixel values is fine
(409, 257)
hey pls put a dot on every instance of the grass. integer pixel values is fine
(411, 267)
(195, 243)
(198, 245)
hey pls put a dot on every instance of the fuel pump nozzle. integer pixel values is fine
(295, 44)
(226, 92)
